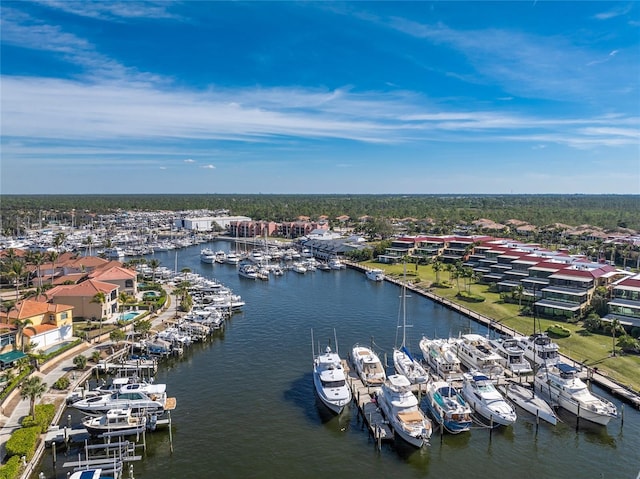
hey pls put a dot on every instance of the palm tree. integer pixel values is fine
(519, 293)
(89, 243)
(53, 257)
(437, 267)
(33, 388)
(21, 324)
(123, 298)
(58, 241)
(154, 264)
(615, 325)
(100, 298)
(17, 271)
(36, 258)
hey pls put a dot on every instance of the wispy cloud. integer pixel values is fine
(113, 10)
(189, 160)
(208, 167)
(67, 111)
(614, 12)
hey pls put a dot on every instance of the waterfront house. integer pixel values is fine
(81, 297)
(45, 323)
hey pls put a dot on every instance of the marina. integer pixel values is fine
(275, 324)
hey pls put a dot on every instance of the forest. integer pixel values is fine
(610, 212)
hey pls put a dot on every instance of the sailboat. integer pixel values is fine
(403, 361)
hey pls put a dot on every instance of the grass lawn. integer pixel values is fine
(592, 349)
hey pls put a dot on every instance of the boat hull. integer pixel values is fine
(532, 403)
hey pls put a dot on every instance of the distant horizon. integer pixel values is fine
(367, 98)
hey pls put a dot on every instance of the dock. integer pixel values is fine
(363, 397)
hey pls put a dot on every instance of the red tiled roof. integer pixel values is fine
(39, 329)
(87, 288)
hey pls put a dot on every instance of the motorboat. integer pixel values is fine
(477, 354)
(248, 271)
(221, 256)
(512, 355)
(232, 258)
(403, 362)
(560, 382)
(441, 357)
(299, 267)
(131, 396)
(539, 349)
(115, 420)
(207, 255)
(480, 393)
(401, 408)
(87, 474)
(447, 407)
(368, 366)
(527, 399)
(335, 263)
(375, 274)
(330, 382)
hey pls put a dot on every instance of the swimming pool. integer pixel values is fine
(55, 347)
(129, 316)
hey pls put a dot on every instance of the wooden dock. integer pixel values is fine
(363, 396)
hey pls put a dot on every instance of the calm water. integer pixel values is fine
(246, 404)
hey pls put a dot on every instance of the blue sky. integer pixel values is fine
(320, 97)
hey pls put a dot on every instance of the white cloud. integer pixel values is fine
(189, 160)
(208, 167)
(113, 10)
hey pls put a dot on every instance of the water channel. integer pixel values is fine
(246, 404)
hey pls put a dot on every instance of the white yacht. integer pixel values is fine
(477, 354)
(375, 274)
(401, 408)
(512, 355)
(248, 271)
(153, 400)
(539, 349)
(113, 421)
(335, 263)
(478, 390)
(207, 255)
(447, 407)
(329, 379)
(441, 357)
(560, 382)
(368, 366)
(232, 258)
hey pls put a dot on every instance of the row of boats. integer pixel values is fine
(454, 399)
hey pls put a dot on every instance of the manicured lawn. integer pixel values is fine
(592, 349)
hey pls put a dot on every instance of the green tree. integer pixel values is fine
(437, 267)
(518, 291)
(154, 264)
(21, 325)
(80, 362)
(117, 336)
(100, 298)
(142, 326)
(32, 388)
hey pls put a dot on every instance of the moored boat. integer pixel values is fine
(527, 399)
(441, 357)
(447, 407)
(512, 355)
(480, 393)
(329, 379)
(375, 274)
(477, 354)
(560, 382)
(400, 406)
(368, 365)
(114, 420)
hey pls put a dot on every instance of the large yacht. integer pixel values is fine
(329, 379)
